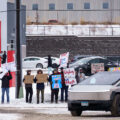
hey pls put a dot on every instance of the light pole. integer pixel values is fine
(18, 50)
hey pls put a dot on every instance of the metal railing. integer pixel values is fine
(77, 30)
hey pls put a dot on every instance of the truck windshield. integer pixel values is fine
(102, 78)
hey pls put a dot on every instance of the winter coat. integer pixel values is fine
(4, 58)
(49, 61)
(39, 86)
(63, 79)
(5, 80)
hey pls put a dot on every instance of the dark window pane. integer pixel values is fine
(105, 5)
(86, 5)
(52, 6)
(35, 7)
(70, 6)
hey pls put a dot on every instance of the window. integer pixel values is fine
(27, 59)
(34, 59)
(51, 6)
(70, 6)
(94, 61)
(86, 5)
(105, 5)
(35, 7)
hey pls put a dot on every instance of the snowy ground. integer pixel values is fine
(78, 30)
(19, 110)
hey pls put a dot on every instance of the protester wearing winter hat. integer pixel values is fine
(28, 87)
(5, 86)
(40, 87)
(54, 91)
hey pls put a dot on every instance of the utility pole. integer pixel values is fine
(18, 50)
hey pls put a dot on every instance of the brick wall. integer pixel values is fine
(55, 45)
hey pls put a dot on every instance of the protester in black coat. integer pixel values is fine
(55, 91)
(49, 61)
(29, 89)
(40, 88)
(4, 57)
(5, 86)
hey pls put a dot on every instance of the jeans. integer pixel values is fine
(64, 89)
(7, 93)
(42, 95)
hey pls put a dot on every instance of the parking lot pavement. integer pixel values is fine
(52, 113)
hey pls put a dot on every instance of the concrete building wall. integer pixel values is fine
(3, 19)
(96, 13)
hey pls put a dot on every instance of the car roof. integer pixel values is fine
(31, 57)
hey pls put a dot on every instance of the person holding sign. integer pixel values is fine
(5, 86)
(40, 79)
(64, 88)
(55, 80)
(81, 75)
(28, 80)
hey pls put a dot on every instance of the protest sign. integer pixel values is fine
(41, 78)
(97, 67)
(64, 59)
(69, 75)
(28, 79)
(113, 69)
(56, 81)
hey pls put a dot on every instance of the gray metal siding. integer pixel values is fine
(95, 14)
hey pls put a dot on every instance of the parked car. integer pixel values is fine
(85, 64)
(98, 92)
(78, 57)
(55, 61)
(34, 62)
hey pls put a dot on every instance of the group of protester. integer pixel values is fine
(54, 91)
(40, 87)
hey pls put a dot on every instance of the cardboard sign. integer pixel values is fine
(97, 67)
(41, 78)
(69, 75)
(113, 69)
(28, 79)
(64, 59)
(56, 81)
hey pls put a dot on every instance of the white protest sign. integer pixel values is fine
(97, 67)
(69, 75)
(9, 66)
(64, 59)
(3, 71)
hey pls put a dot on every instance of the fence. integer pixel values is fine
(77, 30)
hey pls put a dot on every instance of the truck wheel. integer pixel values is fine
(76, 112)
(115, 109)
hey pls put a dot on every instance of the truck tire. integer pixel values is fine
(76, 112)
(115, 109)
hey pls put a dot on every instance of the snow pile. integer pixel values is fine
(4, 116)
(78, 30)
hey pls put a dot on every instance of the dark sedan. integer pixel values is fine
(85, 64)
